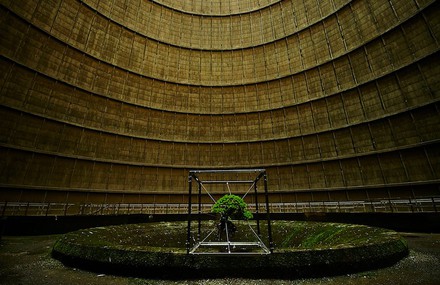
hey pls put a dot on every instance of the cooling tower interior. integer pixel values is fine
(108, 102)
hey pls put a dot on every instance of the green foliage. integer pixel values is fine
(232, 206)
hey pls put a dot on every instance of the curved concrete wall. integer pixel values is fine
(337, 100)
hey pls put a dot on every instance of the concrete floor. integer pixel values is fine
(27, 261)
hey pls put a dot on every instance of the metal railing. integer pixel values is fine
(406, 205)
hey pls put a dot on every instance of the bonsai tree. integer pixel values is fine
(232, 206)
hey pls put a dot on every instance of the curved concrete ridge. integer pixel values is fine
(91, 249)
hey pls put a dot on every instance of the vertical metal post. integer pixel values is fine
(269, 228)
(188, 237)
(227, 236)
(200, 211)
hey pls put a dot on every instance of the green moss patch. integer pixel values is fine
(301, 249)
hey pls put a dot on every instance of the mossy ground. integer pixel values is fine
(301, 248)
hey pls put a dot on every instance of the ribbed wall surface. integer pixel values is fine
(334, 98)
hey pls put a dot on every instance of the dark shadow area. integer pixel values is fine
(44, 225)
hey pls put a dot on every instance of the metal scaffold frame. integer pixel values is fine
(196, 246)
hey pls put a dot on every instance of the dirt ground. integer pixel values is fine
(27, 261)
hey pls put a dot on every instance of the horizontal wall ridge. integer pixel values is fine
(189, 112)
(297, 191)
(224, 142)
(205, 167)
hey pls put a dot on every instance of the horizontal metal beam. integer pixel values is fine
(261, 246)
(227, 181)
(228, 170)
(229, 253)
(232, 243)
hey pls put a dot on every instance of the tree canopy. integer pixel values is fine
(232, 206)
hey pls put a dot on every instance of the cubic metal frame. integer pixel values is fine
(261, 173)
